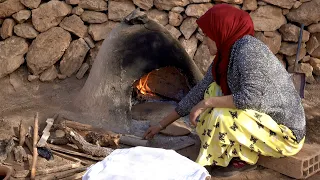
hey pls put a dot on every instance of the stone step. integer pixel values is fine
(300, 166)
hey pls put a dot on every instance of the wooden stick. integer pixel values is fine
(71, 158)
(35, 150)
(67, 151)
(63, 174)
(75, 176)
(59, 168)
(133, 140)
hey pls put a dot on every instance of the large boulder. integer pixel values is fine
(169, 4)
(160, 17)
(94, 17)
(175, 19)
(10, 7)
(188, 27)
(202, 58)
(272, 41)
(73, 57)
(230, 1)
(75, 25)
(144, 4)
(288, 4)
(267, 18)
(12, 51)
(47, 49)
(190, 45)
(119, 10)
(197, 10)
(49, 14)
(25, 30)
(32, 4)
(250, 5)
(22, 16)
(95, 5)
(306, 14)
(7, 28)
(291, 32)
(101, 31)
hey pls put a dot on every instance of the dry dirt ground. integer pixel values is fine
(21, 99)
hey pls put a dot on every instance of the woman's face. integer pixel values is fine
(211, 45)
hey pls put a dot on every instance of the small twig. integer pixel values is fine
(35, 150)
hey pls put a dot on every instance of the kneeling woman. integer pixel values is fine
(246, 105)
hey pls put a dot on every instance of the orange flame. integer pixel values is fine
(143, 85)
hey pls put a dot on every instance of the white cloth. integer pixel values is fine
(141, 163)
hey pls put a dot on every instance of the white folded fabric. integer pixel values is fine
(141, 163)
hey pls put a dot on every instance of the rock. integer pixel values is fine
(173, 31)
(316, 70)
(230, 1)
(190, 45)
(32, 4)
(119, 10)
(101, 31)
(22, 16)
(306, 14)
(169, 4)
(273, 42)
(288, 4)
(89, 41)
(250, 5)
(314, 28)
(49, 15)
(7, 28)
(197, 10)
(261, 3)
(25, 30)
(59, 133)
(95, 5)
(199, 1)
(297, 4)
(312, 44)
(200, 31)
(175, 19)
(202, 58)
(10, 7)
(49, 74)
(94, 17)
(291, 33)
(83, 69)
(72, 2)
(289, 49)
(94, 52)
(267, 18)
(73, 57)
(269, 33)
(177, 9)
(285, 11)
(306, 59)
(144, 4)
(75, 25)
(314, 61)
(291, 59)
(12, 52)
(47, 49)
(61, 76)
(199, 36)
(154, 111)
(32, 78)
(316, 52)
(188, 27)
(160, 17)
(77, 10)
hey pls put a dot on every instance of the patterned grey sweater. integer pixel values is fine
(257, 81)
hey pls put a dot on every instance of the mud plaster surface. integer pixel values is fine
(21, 99)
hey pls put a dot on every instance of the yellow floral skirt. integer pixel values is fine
(227, 133)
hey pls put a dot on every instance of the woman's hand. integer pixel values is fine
(153, 130)
(197, 110)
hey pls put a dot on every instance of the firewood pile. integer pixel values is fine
(80, 144)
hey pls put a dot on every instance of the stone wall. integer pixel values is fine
(59, 39)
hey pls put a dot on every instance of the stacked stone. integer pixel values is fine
(59, 39)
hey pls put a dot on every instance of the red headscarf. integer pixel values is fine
(224, 24)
